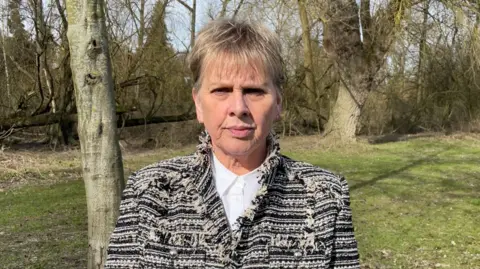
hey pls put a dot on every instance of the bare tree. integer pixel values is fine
(312, 93)
(307, 49)
(101, 155)
(4, 48)
(357, 61)
(422, 53)
(224, 9)
(41, 54)
(193, 13)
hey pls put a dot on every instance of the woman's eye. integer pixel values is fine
(220, 90)
(254, 91)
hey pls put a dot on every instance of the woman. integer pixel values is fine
(237, 202)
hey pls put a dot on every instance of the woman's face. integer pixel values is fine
(238, 105)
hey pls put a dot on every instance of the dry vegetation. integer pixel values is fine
(414, 70)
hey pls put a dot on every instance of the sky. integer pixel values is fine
(178, 21)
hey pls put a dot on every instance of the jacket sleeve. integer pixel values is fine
(124, 247)
(345, 251)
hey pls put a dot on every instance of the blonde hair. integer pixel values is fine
(243, 42)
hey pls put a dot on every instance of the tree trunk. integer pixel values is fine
(101, 156)
(40, 50)
(141, 22)
(422, 51)
(4, 47)
(344, 47)
(7, 76)
(307, 50)
(343, 120)
(48, 119)
(312, 95)
(193, 22)
(66, 102)
(356, 61)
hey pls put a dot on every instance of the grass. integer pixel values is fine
(43, 227)
(416, 204)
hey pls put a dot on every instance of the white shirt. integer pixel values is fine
(237, 192)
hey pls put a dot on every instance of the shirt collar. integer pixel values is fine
(224, 178)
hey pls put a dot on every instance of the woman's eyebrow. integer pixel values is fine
(221, 85)
(263, 85)
(256, 85)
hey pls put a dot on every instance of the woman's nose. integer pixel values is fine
(238, 105)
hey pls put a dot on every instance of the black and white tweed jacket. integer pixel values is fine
(171, 216)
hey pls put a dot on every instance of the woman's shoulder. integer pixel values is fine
(162, 173)
(313, 174)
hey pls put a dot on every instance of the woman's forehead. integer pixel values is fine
(228, 67)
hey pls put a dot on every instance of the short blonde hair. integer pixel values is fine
(245, 42)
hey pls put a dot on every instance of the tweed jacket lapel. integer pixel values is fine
(217, 229)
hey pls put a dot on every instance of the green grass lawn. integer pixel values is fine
(416, 204)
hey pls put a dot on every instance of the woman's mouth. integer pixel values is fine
(240, 132)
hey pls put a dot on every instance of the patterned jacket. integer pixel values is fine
(171, 216)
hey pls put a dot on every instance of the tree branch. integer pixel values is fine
(50, 118)
(20, 68)
(6, 133)
(185, 5)
(223, 11)
(235, 12)
(61, 11)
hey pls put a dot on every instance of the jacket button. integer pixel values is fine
(173, 252)
(297, 254)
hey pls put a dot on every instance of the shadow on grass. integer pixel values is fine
(389, 138)
(426, 159)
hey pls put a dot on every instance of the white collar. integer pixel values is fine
(224, 178)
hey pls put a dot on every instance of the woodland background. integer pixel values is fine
(353, 68)
(387, 70)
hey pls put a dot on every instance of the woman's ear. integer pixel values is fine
(198, 105)
(279, 106)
